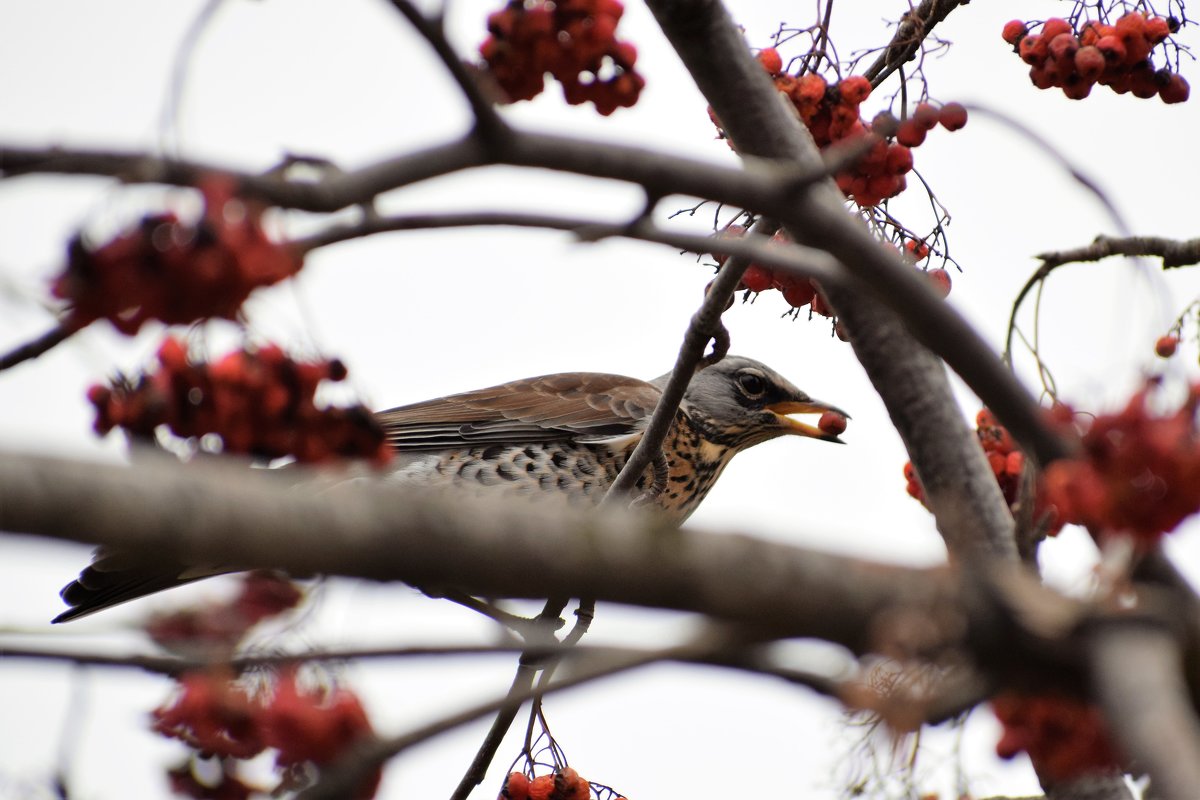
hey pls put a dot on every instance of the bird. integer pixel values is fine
(565, 435)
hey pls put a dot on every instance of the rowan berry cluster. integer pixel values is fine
(572, 40)
(1116, 56)
(217, 716)
(563, 784)
(222, 625)
(1139, 474)
(1008, 465)
(173, 271)
(1065, 738)
(258, 402)
(831, 113)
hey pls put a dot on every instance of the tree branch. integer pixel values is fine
(913, 29)
(488, 123)
(1173, 252)
(1136, 670)
(32, 349)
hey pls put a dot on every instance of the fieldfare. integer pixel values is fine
(564, 435)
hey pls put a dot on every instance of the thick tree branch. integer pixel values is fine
(1136, 670)
(218, 513)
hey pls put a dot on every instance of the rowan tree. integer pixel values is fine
(343, 211)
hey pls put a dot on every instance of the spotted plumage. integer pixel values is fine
(565, 436)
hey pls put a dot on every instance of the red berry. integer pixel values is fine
(1033, 49)
(910, 133)
(1112, 48)
(1176, 89)
(925, 115)
(953, 116)
(799, 295)
(855, 89)
(1054, 27)
(1166, 346)
(832, 422)
(941, 281)
(1089, 62)
(899, 159)
(1014, 31)
(821, 306)
(1157, 30)
(771, 61)
(1063, 48)
(916, 250)
(757, 278)
(1078, 89)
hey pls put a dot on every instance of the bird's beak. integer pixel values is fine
(782, 409)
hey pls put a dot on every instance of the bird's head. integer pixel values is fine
(741, 402)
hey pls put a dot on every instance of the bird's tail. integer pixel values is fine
(115, 577)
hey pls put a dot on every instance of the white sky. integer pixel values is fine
(422, 314)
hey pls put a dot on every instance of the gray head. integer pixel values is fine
(740, 402)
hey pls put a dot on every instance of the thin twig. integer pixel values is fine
(342, 778)
(542, 629)
(487, 122)
(32, 349)
(699, 333)
(910, 33)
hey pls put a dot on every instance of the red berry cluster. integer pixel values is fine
(1139, 473)
(1007, 463)
(563, 784)
(221, 625)
(1116, 56)
(831, 113)
(574, 41)
(260, 403)
(215, 715)
(172, 271)
(1065, 738)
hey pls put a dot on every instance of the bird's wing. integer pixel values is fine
(577, 406)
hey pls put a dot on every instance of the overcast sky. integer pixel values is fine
(418, 315)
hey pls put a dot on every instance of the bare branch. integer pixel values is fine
(700, 331)
(488, 123)
(796, 260)
(1173, 252)
(910, 33)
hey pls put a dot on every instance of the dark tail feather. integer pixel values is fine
(115, 577)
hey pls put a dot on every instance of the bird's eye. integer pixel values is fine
(753, 385)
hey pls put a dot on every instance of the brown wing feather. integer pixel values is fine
(579, 406)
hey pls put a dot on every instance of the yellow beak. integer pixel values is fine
(797, 428)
